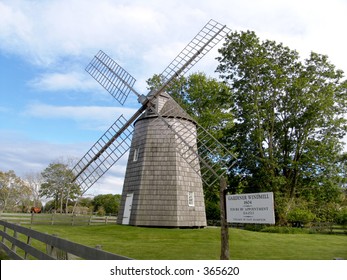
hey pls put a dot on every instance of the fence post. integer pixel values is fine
(52, 219)
(3, 238)
(56, 253)
(90, 220)
(29, 243)
(13, 247)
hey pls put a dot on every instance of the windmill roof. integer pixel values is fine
(168, 108)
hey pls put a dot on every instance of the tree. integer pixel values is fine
(107, 203)
(14, 193)
(58, 185)
(289, 121)
(34, 181)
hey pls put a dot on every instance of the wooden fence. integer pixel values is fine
(56, 219)
(18, 243)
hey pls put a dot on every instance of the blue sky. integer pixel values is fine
(51, 109)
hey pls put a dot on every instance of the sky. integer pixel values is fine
(52, 110)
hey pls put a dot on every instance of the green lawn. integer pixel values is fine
(203, 244)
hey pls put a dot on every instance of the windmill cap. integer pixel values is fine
(168, 108)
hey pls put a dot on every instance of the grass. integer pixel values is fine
(202, 244)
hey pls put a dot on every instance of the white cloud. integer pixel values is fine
(15, 27)
(43, 32)
(24, 155)
(51, 32)
(63, 81)
(77, 24)
(112, 181)
(91, 116)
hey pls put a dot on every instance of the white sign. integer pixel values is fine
(250, 208)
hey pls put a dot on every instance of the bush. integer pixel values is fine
(298, 215)
(342, 217)
(285, 230)
(254, 227)
(275, 229)
(101, 211)
(212, 210)
(327, 212)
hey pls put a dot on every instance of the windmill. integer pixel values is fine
(169, 153)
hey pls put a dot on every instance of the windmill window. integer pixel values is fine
(136, 154)
(191, 201)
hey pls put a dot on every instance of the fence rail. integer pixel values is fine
(57, 219)
(19, 246)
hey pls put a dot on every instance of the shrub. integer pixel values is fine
(254, 227)
(342, 217)
(212, 210)
(300, 215)
(327, 212)
(285, 230)
(101, 211)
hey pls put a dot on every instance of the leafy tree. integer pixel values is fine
(14, 193)
(85, 202)
(289, 120)
(82, 205)
(106, 203)
(58, 185)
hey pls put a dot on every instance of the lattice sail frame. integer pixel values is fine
(210, 35)
(103, 155)
(108, 73)
(119, 83)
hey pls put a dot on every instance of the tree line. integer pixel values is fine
(54, 184)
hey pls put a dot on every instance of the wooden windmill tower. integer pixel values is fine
(160, 187)
(169, 153)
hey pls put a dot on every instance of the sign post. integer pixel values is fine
(224, 255)
(251, 208)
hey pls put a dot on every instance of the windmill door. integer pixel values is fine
(127, 208)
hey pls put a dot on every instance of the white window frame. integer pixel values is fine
(191, 199)
(136, 154)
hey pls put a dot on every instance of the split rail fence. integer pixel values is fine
(23, 243)
(56, 219)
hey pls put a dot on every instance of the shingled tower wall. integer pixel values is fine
(165, 190)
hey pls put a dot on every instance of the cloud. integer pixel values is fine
(90, 117)
(144, 35)
(45, 32)
(24, 155)
(112, 181)
(75, 81)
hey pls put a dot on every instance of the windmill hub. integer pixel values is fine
(142, 99)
